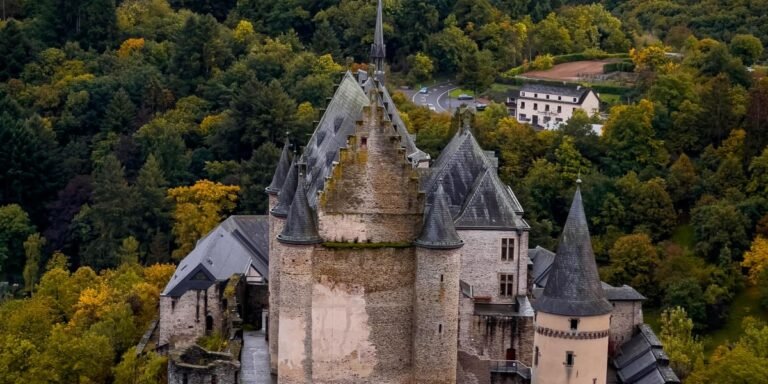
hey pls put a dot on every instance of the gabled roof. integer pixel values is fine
(285, 197)
(573, 287)
(580, 93)
(490, 205)
(641, 360)
(542, 263)
(438, 231)
(283, 166)
(413, 153)
(233, 247)
(460, 163)
(300, 226)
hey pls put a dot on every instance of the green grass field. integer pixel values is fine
(746, 303)
(456, 92)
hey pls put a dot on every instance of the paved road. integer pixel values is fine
(254, 364)
(439, 96)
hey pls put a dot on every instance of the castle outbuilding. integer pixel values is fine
(376, 264)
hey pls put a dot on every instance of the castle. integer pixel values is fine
(376, 264)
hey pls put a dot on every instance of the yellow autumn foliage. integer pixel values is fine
(199, 208)
(129, 46)
(756, 259)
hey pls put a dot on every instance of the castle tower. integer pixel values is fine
(378, 48)
(572, 316)
(436, 301)
(277, 213)
(297, 240)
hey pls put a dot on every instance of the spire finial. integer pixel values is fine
(578, 179)
(378, 48)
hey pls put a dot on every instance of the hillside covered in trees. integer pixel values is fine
(131, 128)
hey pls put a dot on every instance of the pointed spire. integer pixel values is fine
(300, 227)
(285, 197)
(378, 48)
(283, 166)
(573, 286)
(438, 231)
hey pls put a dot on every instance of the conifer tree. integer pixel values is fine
(120, 116)
(14, 49)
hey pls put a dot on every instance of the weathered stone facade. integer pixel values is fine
(184, 319)
(625, 318)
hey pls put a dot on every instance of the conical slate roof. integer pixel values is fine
(285, 197)
(283, 166)
(573, 285)
(300, 227)
(438, 231)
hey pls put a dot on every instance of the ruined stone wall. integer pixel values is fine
(625, 317)
(372, 195)
(481, 262)
(197, 366)
(182, 319)
(294, 352)
(436, 310)
(362, 315)
(276, 225)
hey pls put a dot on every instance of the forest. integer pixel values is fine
(130, 128)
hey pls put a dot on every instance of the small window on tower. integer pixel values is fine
(574, 324)
(507, 249)
(506, 284)
(536, 357)
(364, 142)
(569, 359)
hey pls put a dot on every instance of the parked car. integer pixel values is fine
(481, 106)
(432, 107)
(424, 90)
(464, 96)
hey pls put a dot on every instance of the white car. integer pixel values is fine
(432, 107)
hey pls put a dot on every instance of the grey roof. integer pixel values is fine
(336, 124)
(233, 247)
(413, 153)
(288, 189)
(300, 226)
(623, 293)
(542, 263)
(490, 205)
(283, 166)
(641, 360)
(438, 231)
(460, 163)
(578, 92)
(573, 286)
(378, 48)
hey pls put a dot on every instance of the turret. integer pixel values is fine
(436, 299)
(378, 48)
(297, 242)
(572, 315)
(278, 213)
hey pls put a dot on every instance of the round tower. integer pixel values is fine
(296, 245)
(572, 322)
(278, 210)
(436, 296)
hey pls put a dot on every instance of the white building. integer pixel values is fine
(549, 106)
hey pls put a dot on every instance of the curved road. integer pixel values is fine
(438, 96)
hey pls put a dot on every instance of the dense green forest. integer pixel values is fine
(130, 128)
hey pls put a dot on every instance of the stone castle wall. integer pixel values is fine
(373, 193)
(481, 263)
(183, 319)
(625, 318)
(436, 310)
